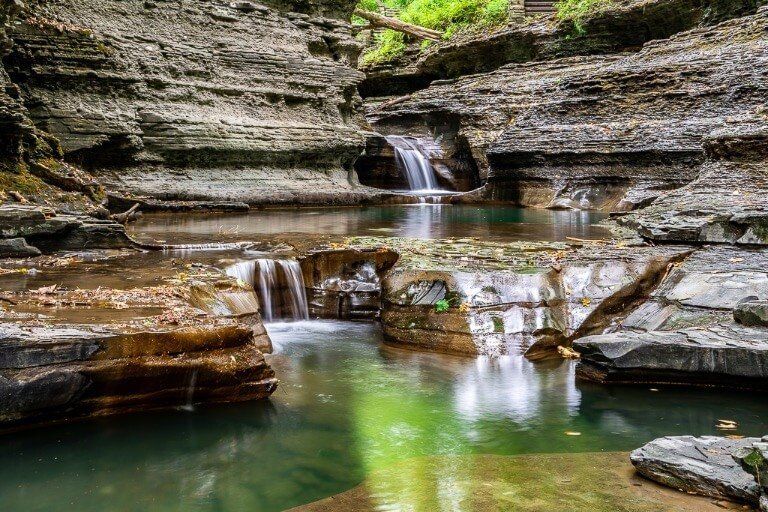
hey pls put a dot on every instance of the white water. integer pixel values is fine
(279, 285)
(413, 161)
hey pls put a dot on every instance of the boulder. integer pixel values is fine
(17, 248)
(700, 465)
(753, 313)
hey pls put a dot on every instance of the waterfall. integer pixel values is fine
(413, 161)
(279, 285)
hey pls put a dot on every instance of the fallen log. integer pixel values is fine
(379, 21)
(127, 216)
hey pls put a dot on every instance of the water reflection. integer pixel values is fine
(346, 408)
(420, 221)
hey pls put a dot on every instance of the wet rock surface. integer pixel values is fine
(725, 355)
(72, 352)
(700, 465)
(25, 230)
(684, 333)
(471, 297)
(726, 203)
(752, 313)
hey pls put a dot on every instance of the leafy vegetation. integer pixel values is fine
(576, 11)
(448, 16)
(442, 306)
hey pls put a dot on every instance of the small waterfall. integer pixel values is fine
(413, 161)
(279, 285)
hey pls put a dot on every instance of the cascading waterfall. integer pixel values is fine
(279, 285)
(413, 161)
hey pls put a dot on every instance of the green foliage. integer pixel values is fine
(448, 16)
(389, 45)
(576, 11)
(442, 306)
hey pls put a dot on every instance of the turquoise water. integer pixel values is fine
(346, 406)
(501, 223)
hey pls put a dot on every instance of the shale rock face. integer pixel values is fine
(200, 100)
(701, 465)
(727, 202)
(488, 299)
(599, 132)
(25, 230)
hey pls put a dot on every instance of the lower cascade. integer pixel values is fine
(279, 285)
(413, 161)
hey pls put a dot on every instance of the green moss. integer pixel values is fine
(449, 16)
(16, 178)
(576, 11)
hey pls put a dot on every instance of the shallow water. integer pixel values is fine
(346, 407)
(501, 223)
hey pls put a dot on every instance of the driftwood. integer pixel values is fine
(127, 216)
(379, 21)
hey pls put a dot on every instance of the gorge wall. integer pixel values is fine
(611, 132)
(188, 99)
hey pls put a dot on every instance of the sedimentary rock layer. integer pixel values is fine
(604, 131)
(68, 353)
(224, 101)
(727, 202)
(685, 333)
(621, 26)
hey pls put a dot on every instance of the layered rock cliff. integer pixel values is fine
(597, 132)
(195, 100)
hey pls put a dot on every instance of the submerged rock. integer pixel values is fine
(700, 465)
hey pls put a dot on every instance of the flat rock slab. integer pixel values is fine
(702, 465)
(703, 356)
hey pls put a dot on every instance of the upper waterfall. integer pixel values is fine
(413, 161)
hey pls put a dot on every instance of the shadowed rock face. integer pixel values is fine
(727, 202)
(223, 101)
(345, 284)
(600, 132)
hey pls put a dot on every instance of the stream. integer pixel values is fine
(347, 405)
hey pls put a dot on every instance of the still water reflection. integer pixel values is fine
(346, 407)
(419, 221)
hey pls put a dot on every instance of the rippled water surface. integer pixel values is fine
(420, 221)
(346, 407)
